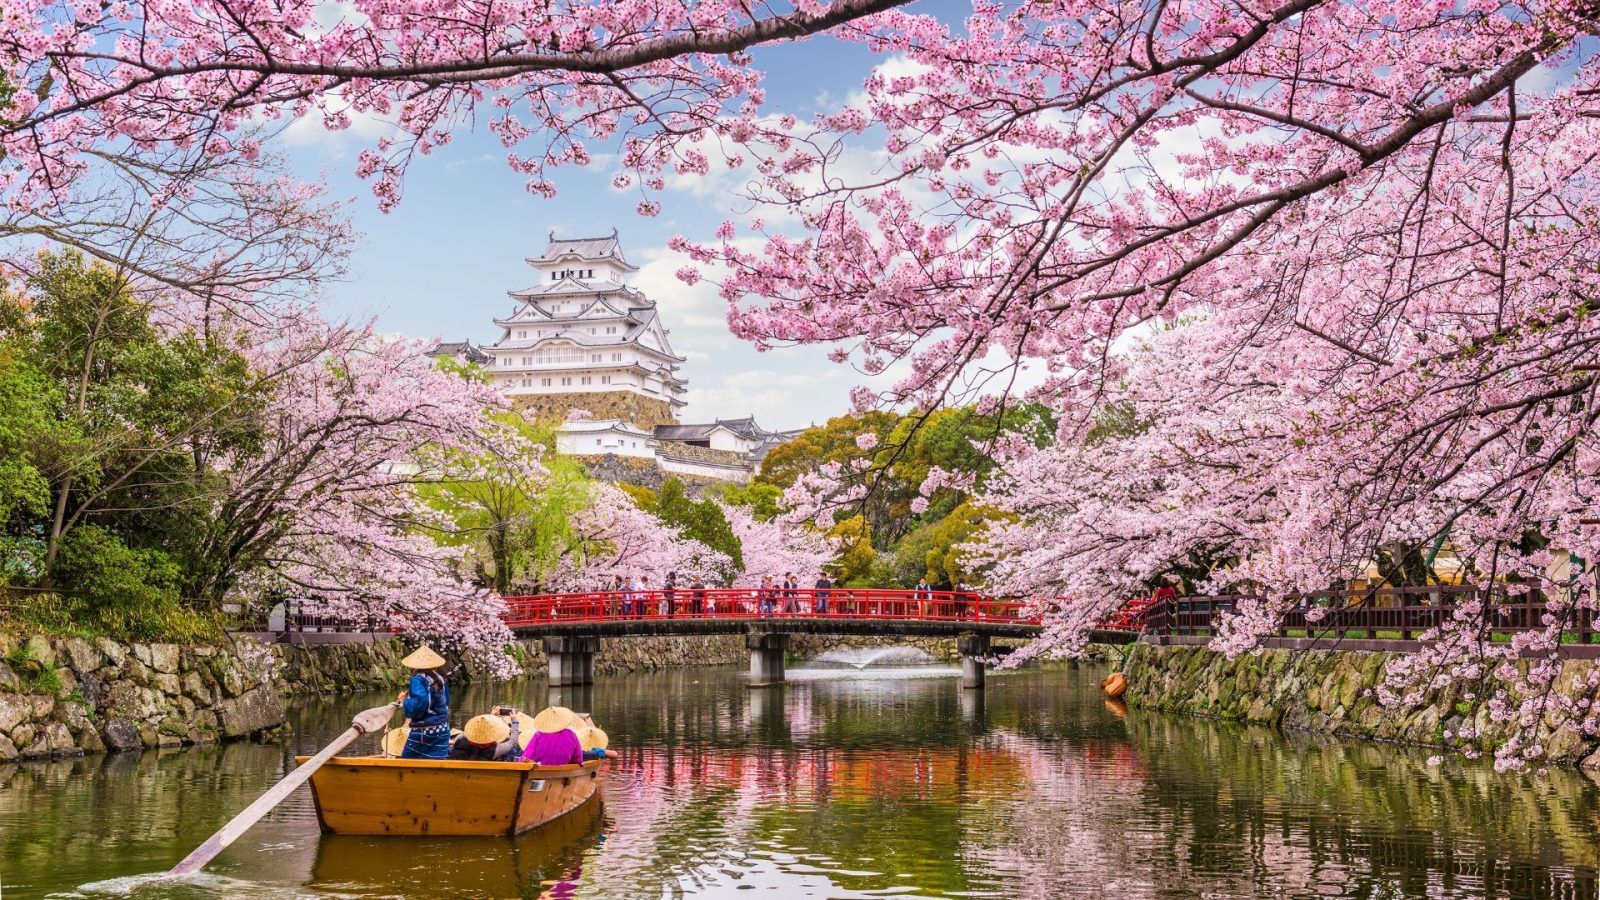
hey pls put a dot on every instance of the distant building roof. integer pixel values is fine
(608, 247)
(459, 350)
(746, 428)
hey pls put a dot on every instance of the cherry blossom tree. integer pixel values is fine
(776, 546)
(617, 538)
(327, 509)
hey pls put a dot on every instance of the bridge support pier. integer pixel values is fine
(973, 648)
(571, 659)
(766, 657)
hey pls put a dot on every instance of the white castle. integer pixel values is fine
(582, 339)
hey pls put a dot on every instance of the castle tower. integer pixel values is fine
(581, 338)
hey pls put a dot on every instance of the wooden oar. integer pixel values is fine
(365, 722)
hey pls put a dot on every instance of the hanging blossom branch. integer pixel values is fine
(202, 70)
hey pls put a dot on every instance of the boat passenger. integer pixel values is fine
(488, 738)
(594, 743)
(427, 707)
(555, 738)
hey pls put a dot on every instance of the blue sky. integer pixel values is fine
(440, 264)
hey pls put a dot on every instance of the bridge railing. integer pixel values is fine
(1391, 613)
(757, 603)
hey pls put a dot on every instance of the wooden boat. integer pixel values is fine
(379, 796)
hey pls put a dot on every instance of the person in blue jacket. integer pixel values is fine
(426, 703)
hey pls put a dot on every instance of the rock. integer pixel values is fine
(228, 676)
(14, 710)
(121, 736)
(82, 655)
(8, 678)
(195, 688)
(114, 652)
(56, 740)
(130, 701)
(142, 653)
(166, 683)
(22, 736)
(8, 750)
(40, 649)
(69, 681)
(43, 706)
(253, 711)
(206, 727)
(93, 688)
(164, 658)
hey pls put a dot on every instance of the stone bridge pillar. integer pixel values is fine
(571, 659)
(766, 657)
(973, 648)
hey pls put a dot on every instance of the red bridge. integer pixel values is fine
(571, 625)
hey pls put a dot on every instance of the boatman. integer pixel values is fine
(426, 703)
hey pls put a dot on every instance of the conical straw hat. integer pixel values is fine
(394, 742)
(555, 719)
(423, 658)
(592, 737)
(487, 729)
(525, 727)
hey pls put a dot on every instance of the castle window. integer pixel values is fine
(616, 357)
(594, 357)
(566, 382)
(522, 334)
(553, 276)
(611, 330)
(585, 379)
(605, 379)
(546, 382)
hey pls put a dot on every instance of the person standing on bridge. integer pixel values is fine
(819, 602)
(791, 593)
(669, 591)
(697, 596)
(766, 597)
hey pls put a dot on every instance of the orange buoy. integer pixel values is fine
(1115, 685)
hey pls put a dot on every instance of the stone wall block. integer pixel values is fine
(8, 679)
(121, 735)
(255, 710)
(164, 658)
(8, 750)
(114, 652)
(14, 710)
(82, 655)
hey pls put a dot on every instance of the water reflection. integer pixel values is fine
(859, 787)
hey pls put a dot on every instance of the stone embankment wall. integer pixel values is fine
(1327, 692)
(68, 696)
(641, 471)
(645, 412)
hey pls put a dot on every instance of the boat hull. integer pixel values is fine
(379, 796)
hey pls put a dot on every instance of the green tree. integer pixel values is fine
(701, 520)
(765, 501)
(136, 417)
(514, 515)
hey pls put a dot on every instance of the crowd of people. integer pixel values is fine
(557, 736)
(634, 596)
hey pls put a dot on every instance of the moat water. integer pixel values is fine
(884, 784)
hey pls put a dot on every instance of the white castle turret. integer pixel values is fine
(581, 338)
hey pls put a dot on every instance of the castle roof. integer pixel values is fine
(608, 247)
(462, 349)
